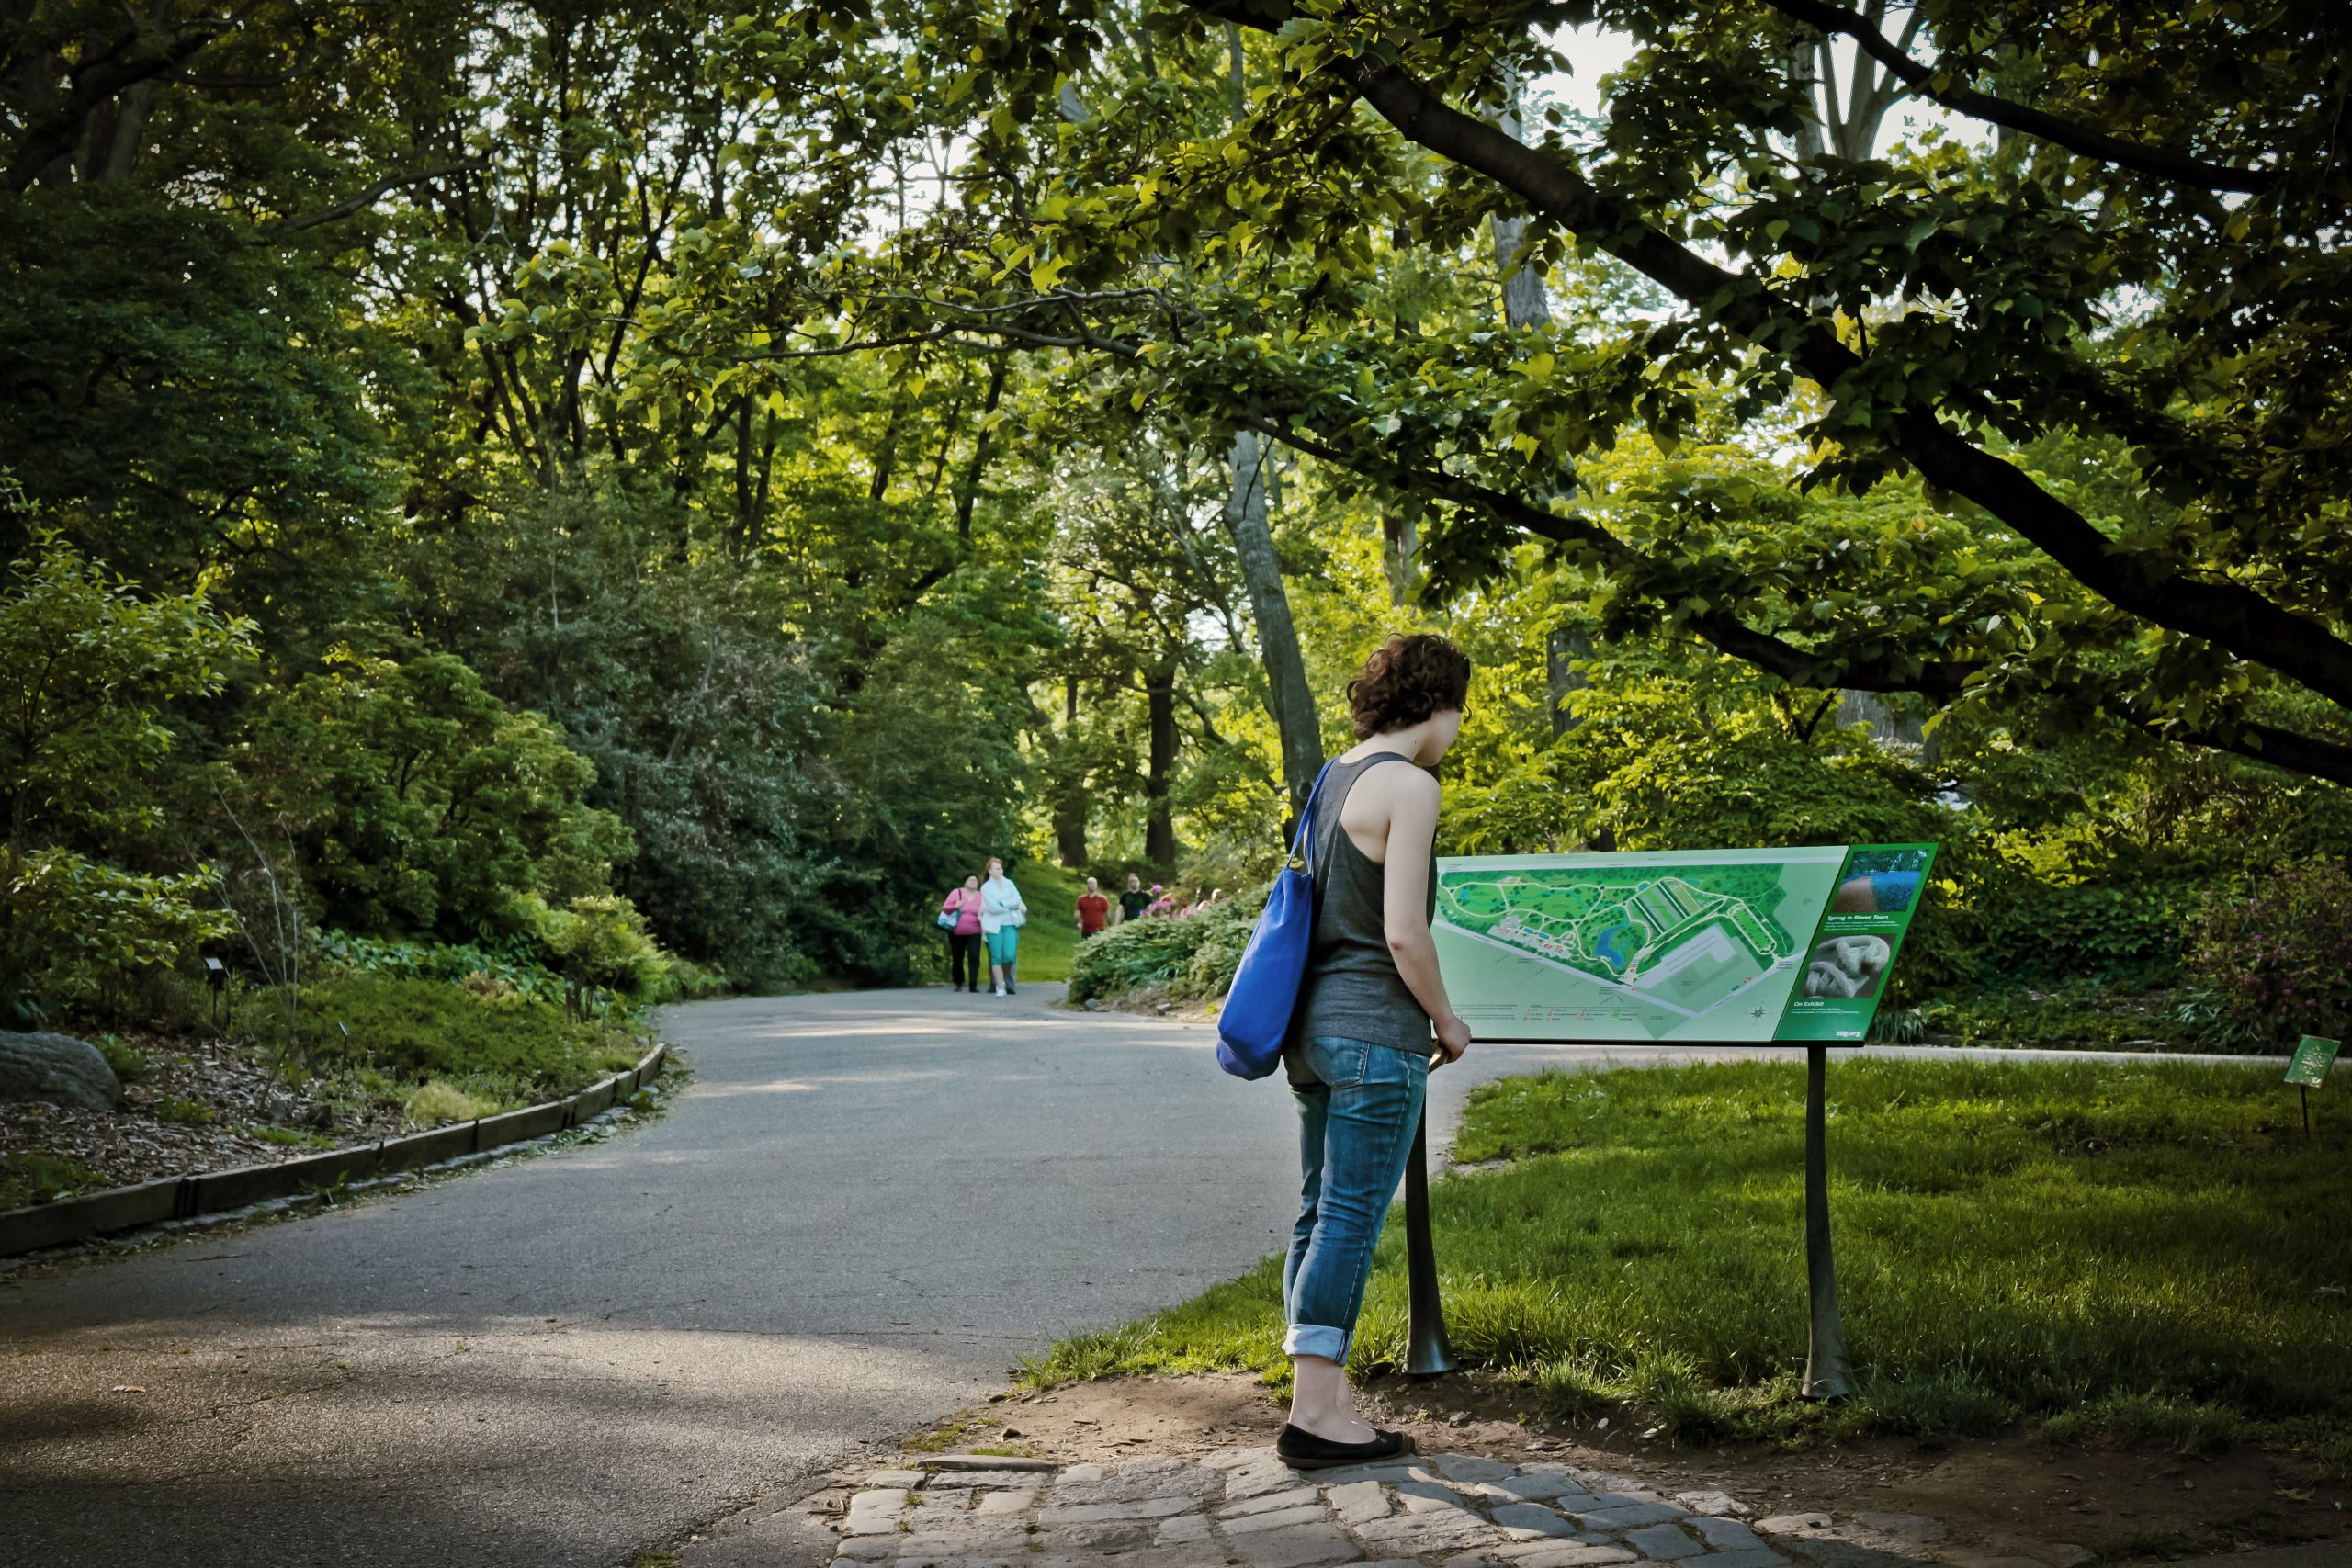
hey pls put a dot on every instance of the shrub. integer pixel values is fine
(437, 1100)
(418, 801)
(470, 964)
(426, 1029)
(2074, 1012)
(2273, 955)
(81, 933)
(683, 980)
(1224, 933)
(86, 664)
(601, 942)
(129, 1062)
(2030, 929)
(34, 1177)
(1147, 951)
(1194, 956)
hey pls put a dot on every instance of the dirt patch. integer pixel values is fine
(197, 1105)
(2018, 1496)
(1152, 1001)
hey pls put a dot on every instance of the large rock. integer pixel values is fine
(58, 1068)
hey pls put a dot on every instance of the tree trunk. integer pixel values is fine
(1160, 824)
(1254, 548)
(968, 487)
(1069, 785)
(111, 141)
(1525, 305)
(1901, 733)
(1525, 302)
(1560, 678)
(1525, 308)
(1401, 542)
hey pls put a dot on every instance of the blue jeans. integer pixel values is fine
(1355, 1130)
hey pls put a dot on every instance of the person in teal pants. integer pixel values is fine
(1003, 914)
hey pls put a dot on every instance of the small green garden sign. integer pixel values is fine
(2311, 1061)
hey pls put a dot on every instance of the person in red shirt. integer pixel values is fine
(1093, 911)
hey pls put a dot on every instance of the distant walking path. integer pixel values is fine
(865, 1208)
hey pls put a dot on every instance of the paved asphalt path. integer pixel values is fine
(862, 1211)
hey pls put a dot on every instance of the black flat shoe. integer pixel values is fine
(1302, 1450)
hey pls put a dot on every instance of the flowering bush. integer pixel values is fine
(2275, 957)
(1195, 958)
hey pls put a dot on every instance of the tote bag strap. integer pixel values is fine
(1303, 846)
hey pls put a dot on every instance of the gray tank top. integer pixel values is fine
(1352, 987)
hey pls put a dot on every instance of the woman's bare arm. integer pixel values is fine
(1404, 913)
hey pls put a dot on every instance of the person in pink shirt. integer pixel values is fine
(963, 939)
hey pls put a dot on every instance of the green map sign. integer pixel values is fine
(1707, 946)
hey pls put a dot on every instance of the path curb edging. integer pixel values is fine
(184, 1197)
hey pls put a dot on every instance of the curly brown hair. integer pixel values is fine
(1409, 677)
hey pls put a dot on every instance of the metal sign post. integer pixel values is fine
(1826, 1373)
(1426, 1351)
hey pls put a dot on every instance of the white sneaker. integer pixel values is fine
(1000, 990)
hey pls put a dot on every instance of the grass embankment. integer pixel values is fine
(1050, 939)
(2152, 1251)
(446, 1053)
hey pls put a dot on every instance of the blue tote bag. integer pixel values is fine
(1256, 1015)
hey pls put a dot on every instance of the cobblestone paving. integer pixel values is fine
(1245, 1507)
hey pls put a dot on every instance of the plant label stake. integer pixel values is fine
(216, 979)
(2307, 1070)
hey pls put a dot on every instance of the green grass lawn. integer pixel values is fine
(2153, 1251)
(1050, 939)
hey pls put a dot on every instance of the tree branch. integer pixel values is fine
(1727, 633)
(366, 197)
(45, 141)
(2139, 582)
(2163, 162)
(2279, 748)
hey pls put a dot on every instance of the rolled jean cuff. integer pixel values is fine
(1314, 1339)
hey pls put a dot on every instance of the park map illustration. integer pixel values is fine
(1688, 945)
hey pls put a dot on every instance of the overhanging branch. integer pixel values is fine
(366, 197)
(2161, 161)
(2139, 582)
(1816, 670)
(1727, 633)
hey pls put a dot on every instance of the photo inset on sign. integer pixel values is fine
(1847, 966)
(1882, 882)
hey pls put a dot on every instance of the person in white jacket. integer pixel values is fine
(1001, 915)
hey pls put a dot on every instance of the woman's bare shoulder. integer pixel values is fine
(1399, 785)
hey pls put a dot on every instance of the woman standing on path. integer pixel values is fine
(1359, 1052)
(964, 937)
(1001, 914)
